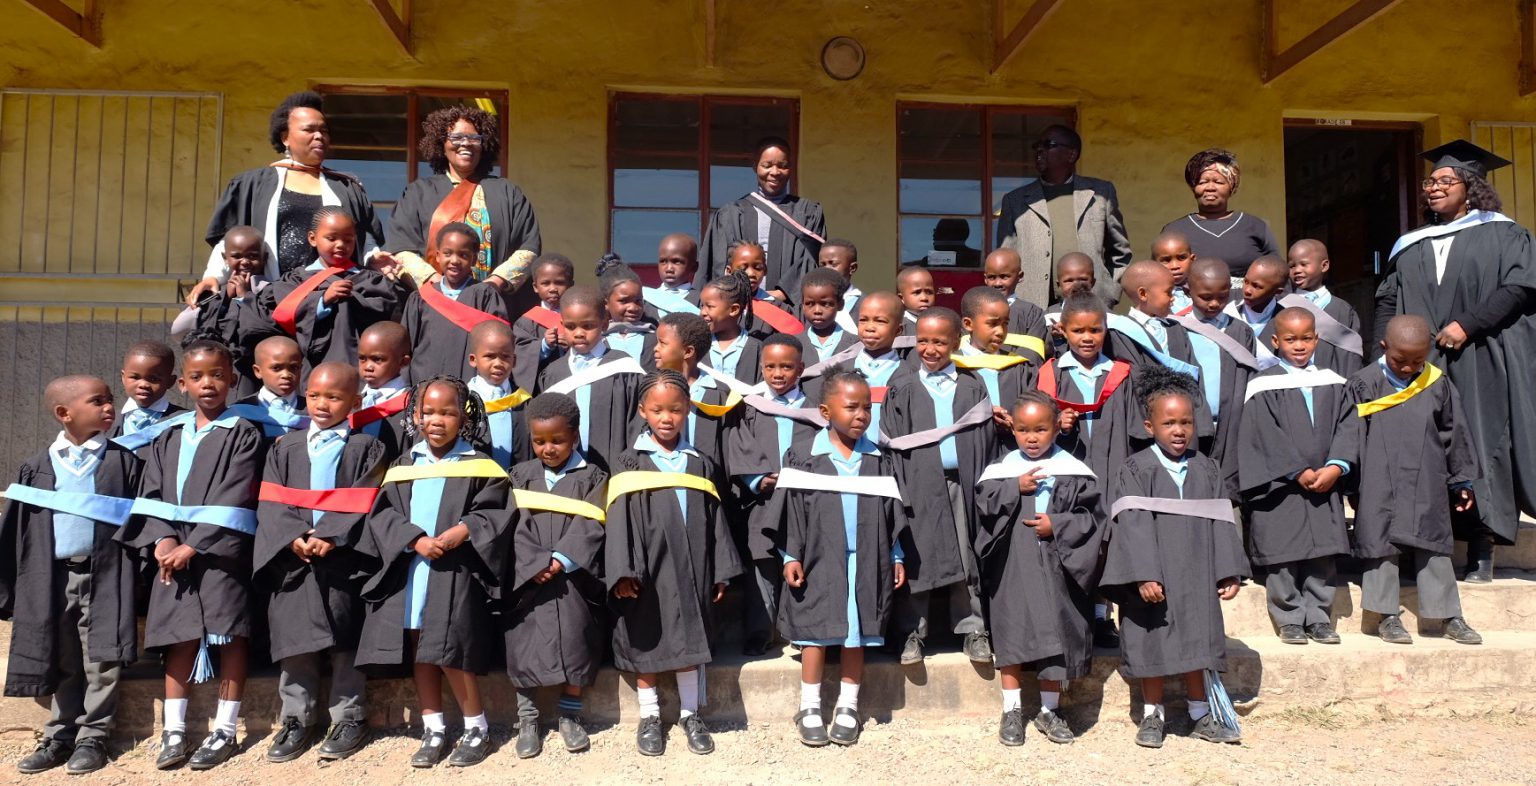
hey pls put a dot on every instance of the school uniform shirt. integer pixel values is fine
(879, 371)
(440, 347)
(447, 599)
(654, 311)
(1188, 555)
(1223, 381)
(132, 419)
(755, 447)
(314, 606)
(609, 421)
(1182, 303)
(329, 331)
(283, 414)
(818, 348)
(508, 435)
(1039, 592)
(637, 341)
(743, 359)
(33, 538)
(568, 610)
(706, 432)
(1003, 387)
(390, 430)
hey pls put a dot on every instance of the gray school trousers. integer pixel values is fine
(1436, 579)
(1301, 593)
(962, 596)
(299, 684)
(83, 706)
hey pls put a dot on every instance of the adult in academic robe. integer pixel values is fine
(462, 145)
(439, 344)
(676, 562)
(280, 199)
(334, 336)
(209, 596)
(1472, 274)
(790, 228)
(1039, 593)
(556, 632)
(610, 419)
(1188, 555)
(29, 574)
(313, 605)
(1215, 230)
(456, 623)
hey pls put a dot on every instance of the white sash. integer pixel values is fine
(867, 485)
(1471, 219)
(1328, 329)
(596, 373)
(733, 384)
(1013, 467)
(1214, 509)
(1292, 380)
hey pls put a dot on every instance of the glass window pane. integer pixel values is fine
(940, 160)
(368, 139)
(637, 233)
(656, 145)
(383, 177)
(734, 131)
(958, 236)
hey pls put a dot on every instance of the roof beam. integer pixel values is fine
(1273, 64)
(711, 22)
(85, 25)
(1527, 47)
(399, 24)
(1005, 46)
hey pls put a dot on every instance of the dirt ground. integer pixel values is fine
(1300, 747)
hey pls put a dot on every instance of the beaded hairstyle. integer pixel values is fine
(472, 429)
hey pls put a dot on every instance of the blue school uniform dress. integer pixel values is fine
(499, 424)
(74, 472)
(583, 395)
(878, 371)
(848, 467)
(426, 500)
(553, 476)
(675, 460)
(378, 395)
(784, 431)
(324, 446)
(1085, 378)
(726, 359)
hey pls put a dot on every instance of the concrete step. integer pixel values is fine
(1432, 678)
(1507, 604)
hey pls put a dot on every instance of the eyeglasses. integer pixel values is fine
(1043, 146)
(1443, 182)
(466, 139)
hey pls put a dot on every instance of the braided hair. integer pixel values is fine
(611, 272)
(329, 211)
(735, 287)
(472, 429)
(659, 378)
(1158, 382)
(1037, 397)
(836, 381)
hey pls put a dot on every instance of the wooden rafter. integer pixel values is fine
(399, 24)
(1273, 64)
(84, 25)
(1527, 47)
(1005, 46)
(711, 21)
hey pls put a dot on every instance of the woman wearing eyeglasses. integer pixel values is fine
(1471, 272)
(1216, 230)
(462, 144)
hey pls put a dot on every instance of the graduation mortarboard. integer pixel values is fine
(1464, 155)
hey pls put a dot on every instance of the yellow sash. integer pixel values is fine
(512, 400)
(543, 500)
(990, 362)
(1030, 343)
(1425, 378)
(718, 410)
(474, 468)
(644, 480)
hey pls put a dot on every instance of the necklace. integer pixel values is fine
(1236, 219)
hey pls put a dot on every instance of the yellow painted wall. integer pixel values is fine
(1152, 82)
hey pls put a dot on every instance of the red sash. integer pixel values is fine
(466, 317)
(877, 394)
(286, 315)
(549, 319)
(777, 318)
(453, 208)
(1117, 375)
(351, 500)
(390, 406)
(1189, 309)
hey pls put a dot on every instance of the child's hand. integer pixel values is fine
(1152, 592)
(794, 574)
(1464, 500)
(551, 338)
(1041, 524)
(427, 547)
(339, 291)
(765, 486)
(179, 558)
(1227, 588)
(239, 284)
(1067, 420)
(626, 588)
(454, 537)
(1029, 481)
(554, 569)
(1001, 417)
(163, 551)
(901, 575)
(1324, 479)
(1306, 478)
(300, 548)
(719, 590)
(320, 547)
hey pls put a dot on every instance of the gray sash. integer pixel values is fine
(1328, 329)
(1220, 338)
(1214, 509)
(980, 413)
(773, 408)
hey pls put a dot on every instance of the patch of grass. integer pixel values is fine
(1326, 718)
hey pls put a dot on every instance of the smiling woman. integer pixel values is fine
(790, 228)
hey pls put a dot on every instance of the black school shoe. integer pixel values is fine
(699, 740)
(843, 734)
(1105, 637)
(472, 748)
(50, 753)
(90, 756)
(345, 739)
(290, 742)
(433, 744)
(1010, 731)
(650, 738)
(174, 750)
(530, 741)
(1209, 730)
(1292, 634)
(573, 734)
(1054, 727)
(1323, 633)
(1150, 733)
(1457, 630)
(218, 748)
(978, 647)
(812, 736)
(912, 651)
(1391, 630)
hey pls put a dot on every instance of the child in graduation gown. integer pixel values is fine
(668, 556)
(383, 360)
(1174, 554)
(552, 615)
(765, 315)
(1094, 392)
(1288, 477)
(1226, 358)
(1038, 536)
(630, 329)
(439, 316)
(877, 356)
(725, 303)
(318, 486)
(1338, 326)
(491, 364)
(829, 329)
(278, 406)
(601, 379)
(148, 373)
(197, 510)
(915, 287)
(1027, 331)
(984, 313)
(682, 342)
(539, 339)
(840, 514)
(439, 528)
(230, 314)
(1148, 335)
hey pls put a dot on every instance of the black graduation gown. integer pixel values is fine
(1026, 319)
(1106, 449)
(249, 194)
(789, 256)
(211, 595)
(813, 533)
(1187, 555)
(1285, 522)
(528, 363)
(676, 564)
(373, 299)
(646, 354)
(709, 432)
(1234, 384)
(932, 552)
(1327, 355)
(28, 571)
(522, 447)
(613, 418)
(1405, 458)
(1489, 287)
(314, 606)
(440, 347)
(1039, 593)
(751, 448)
(555, 632)
(1121, 348)
(692, 296)
(241, 325)
(456, 624)
(514, 227)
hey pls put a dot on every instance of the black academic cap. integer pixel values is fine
(1464, 155)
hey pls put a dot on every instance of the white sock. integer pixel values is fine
(810, 699)
(1198, 709)
(476, 722)
(848, 695)
(1101, 611)
(687, 693)
(176, 716)
(1012, 699)
(434, 721)
(1148, 710)
(228, 715)
(650, 703)
(1050, 700)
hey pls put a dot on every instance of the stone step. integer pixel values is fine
(1432, 678)
(1507, 604)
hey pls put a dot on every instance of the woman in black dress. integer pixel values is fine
(1214, 229)
(790, 228)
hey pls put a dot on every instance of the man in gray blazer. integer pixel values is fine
(1038, 220)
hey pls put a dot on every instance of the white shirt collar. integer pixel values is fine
(1140, 317)
(424, 450)
(266, 397)
(647, 443)
(158, 406)
(487, 391)
(575, 462)
(61, 444)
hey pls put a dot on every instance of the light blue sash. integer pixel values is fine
(266, 417)
(1133, 330)
(667, 300)
(146, 435)
(97, 507)
(238, 519)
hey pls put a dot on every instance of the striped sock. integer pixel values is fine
(569, 705)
